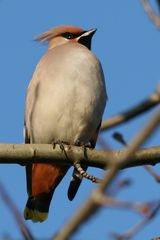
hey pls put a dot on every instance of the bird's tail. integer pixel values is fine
(42, 179)
(75, 183)
(37, 208)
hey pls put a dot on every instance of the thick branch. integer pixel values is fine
(146, 105)
(32, 153)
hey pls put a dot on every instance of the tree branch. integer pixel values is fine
(146, 105)
(24, 154)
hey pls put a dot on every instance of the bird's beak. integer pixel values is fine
(88, 33)
(85, 37)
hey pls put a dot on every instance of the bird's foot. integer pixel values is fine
(84, 173)
(61, 145)
(79, 172)
(82, 169)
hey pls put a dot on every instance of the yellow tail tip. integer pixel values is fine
(35, 215)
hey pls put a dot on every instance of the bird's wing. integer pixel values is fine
(28, 167)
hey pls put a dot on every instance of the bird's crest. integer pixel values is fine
(57, 31)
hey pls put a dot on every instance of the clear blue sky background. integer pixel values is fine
(128, 45)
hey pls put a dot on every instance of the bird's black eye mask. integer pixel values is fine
(70, 35)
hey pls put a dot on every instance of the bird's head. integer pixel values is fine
(64, 34)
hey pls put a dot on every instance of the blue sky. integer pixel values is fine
(127, 44)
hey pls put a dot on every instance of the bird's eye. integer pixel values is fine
(67, 35)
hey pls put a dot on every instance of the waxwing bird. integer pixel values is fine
(65, 102)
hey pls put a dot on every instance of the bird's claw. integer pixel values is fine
(60, 143)
(84, 174)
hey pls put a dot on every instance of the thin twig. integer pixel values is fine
(132, 231)
(152, 173)
(119, 137)
(152, 101)
(91, 206)
(15, 212)
(141, 208)
(155, 19)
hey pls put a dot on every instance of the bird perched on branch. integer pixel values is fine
(65, 102)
